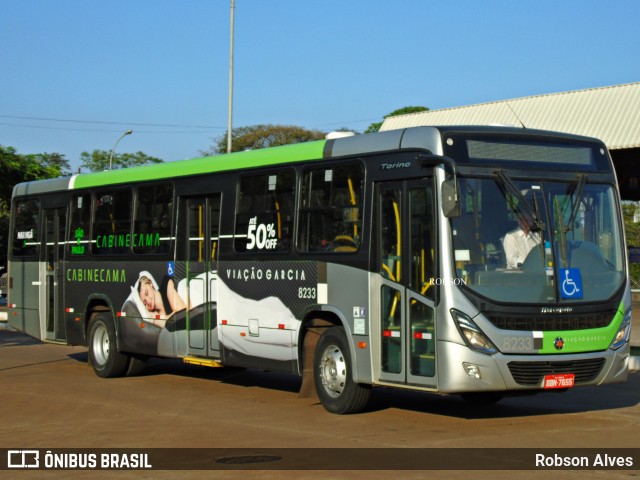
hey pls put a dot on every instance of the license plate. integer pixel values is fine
(561, 380)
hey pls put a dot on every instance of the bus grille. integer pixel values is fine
(551, 322)
(532, 373)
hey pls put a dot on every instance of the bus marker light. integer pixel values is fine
(77, 319)
(69, 310)
(422, 335)
(390, 333)
(362, 344)
(242, 334)
(142, 325)
(158, 317)
(121, 314)
(281, 326)
(223, 322)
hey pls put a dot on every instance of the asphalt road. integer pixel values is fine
(51, 399)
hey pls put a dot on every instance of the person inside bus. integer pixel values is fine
(519, 242)
(163, 300)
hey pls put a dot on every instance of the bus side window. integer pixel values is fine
(80, 224)
(25, 232)
(112, 222)
(264, 212)
(330, 214)
(153, 216)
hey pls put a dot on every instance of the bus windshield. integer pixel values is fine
(538, 241)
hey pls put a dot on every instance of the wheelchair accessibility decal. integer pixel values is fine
(571, 283)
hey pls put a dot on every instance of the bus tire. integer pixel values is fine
(106, 360)
(135, 366)
(334, 383)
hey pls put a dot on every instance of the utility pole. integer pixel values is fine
(230, 113)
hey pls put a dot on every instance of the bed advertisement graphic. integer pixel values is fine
(253, 309)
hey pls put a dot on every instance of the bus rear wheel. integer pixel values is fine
(106, 360)
(337, 390)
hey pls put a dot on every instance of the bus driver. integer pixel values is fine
(519, 242)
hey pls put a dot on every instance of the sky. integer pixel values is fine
(76, 74)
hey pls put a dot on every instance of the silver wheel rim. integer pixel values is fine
(333, 371)
(101, 344)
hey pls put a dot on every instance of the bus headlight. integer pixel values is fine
(623, 333)
(471, 333)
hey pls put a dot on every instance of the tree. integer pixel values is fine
(374, 127)
(632, 229)
(16, 168)
(261, 136)
(632, 232)
(98, 160)
(55, 163)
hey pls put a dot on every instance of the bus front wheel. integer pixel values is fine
(104, 356)
(333, 377)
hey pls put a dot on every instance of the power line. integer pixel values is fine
(98, 130)
(110, 123)
(347, 122)
(154, 125)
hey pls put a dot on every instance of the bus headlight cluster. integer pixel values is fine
(471, 333)
(623, 333)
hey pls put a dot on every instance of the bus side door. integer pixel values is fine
(406, 253)
(51, 274)
(202, 230)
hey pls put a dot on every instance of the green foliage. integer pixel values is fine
(99, 160)
(632, 232)
(261, 136)
(632, 229)
(16, 168)
(374, 127)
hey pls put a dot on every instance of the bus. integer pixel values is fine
(357, 262)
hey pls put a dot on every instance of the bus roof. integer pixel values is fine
(409, 138)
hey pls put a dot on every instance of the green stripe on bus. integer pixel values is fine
(255, 158)
(580, 341)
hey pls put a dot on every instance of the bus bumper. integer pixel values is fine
(463, 370)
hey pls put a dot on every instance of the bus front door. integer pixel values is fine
(203, 220)
(51, 271)
(406, 251)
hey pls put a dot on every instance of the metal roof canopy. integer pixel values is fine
(611, 114)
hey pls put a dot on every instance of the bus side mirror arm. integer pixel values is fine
(450, 198)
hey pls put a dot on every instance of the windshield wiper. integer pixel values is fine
(581, 180)
(565, 228)
(562, 239)
(529, 211)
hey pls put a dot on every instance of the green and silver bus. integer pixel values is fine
(370, 260)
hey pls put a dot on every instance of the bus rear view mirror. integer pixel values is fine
(450, 200)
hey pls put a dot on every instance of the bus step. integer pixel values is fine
(205, 362)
